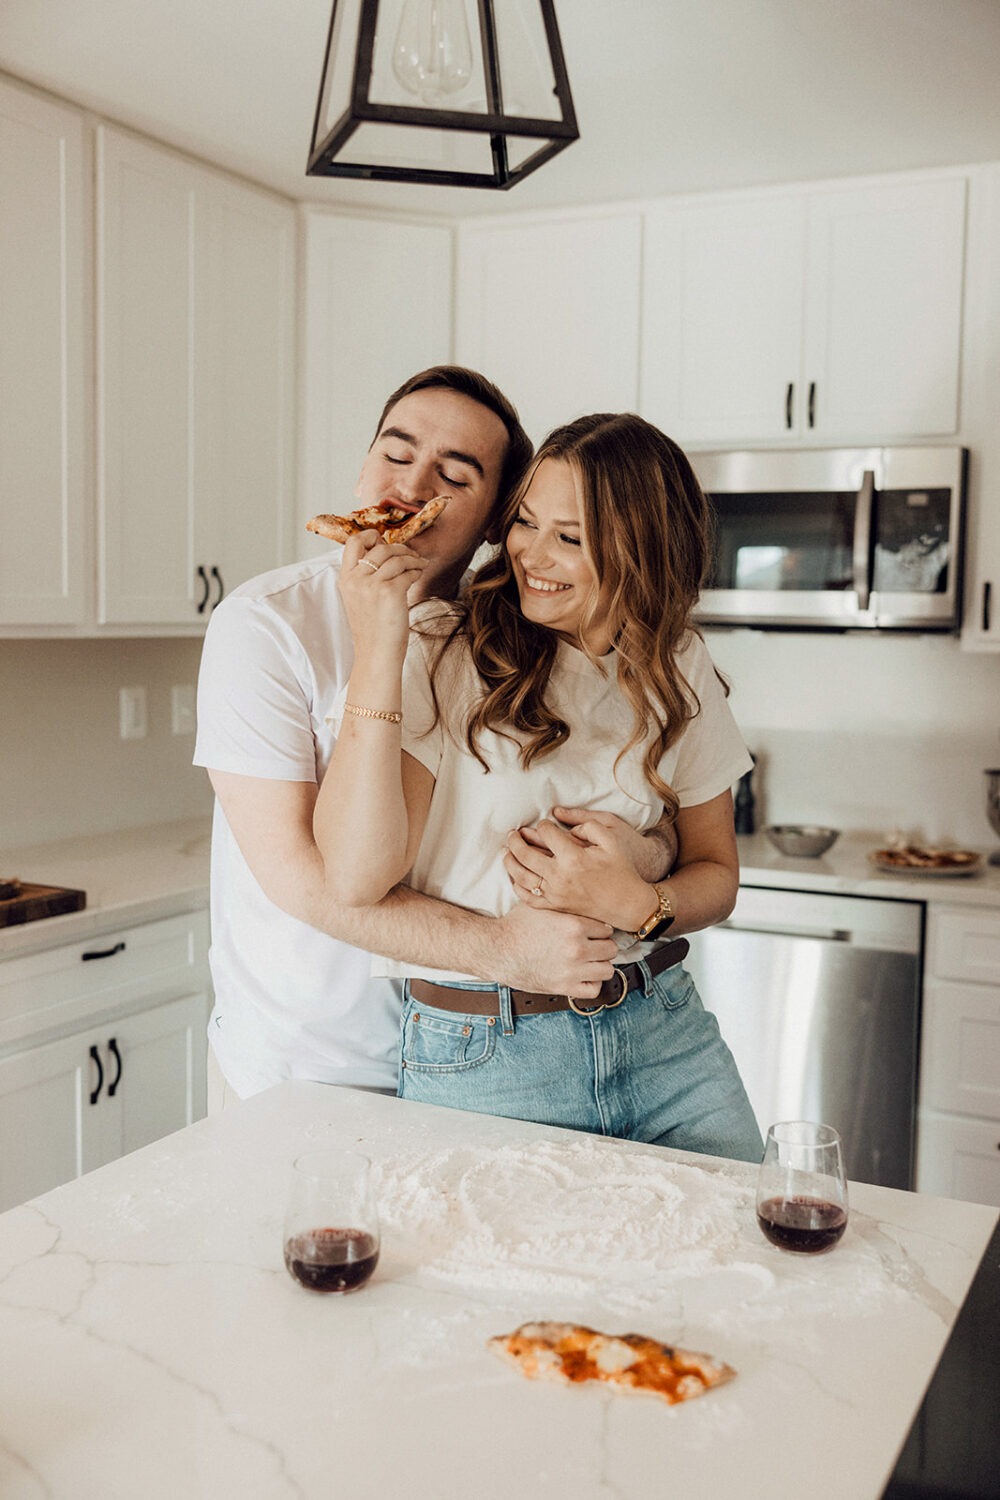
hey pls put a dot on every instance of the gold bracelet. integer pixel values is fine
(390, 714)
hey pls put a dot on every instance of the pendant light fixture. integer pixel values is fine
(460, 93)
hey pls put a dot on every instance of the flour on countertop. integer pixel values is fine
(583, 1225)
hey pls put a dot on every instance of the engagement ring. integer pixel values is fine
(366, 564)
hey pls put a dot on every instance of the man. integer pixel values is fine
(293, 993)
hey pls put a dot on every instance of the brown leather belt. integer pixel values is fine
(526, 1003)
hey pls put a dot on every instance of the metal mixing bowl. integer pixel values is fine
(802, 841)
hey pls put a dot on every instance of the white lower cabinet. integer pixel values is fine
(958, 1124)
(958, 1158)
(131, 1074)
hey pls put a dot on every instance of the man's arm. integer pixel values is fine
(532, 950)
(588, 861)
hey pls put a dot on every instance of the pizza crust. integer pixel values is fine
(392, 522)
(571, 1354)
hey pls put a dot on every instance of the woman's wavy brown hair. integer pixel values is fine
(647, 528)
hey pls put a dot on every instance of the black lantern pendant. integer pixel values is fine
(462, 93)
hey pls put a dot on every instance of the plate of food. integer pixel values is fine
(920, 859)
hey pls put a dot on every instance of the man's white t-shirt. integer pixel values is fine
(471, 812)
(290, 1002)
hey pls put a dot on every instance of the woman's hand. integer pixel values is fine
(588, 867)
(375, 578)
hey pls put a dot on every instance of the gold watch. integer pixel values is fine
(659, 920)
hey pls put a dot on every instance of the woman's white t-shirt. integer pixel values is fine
(471, 812)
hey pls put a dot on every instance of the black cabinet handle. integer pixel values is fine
(218, 578)
(100, 1074)
(811, 409)
(113, 1049)
(200, 573)
(104, 952)
(987, 604)
(789, 396)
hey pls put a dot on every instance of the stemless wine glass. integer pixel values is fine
(331, 1231)
(801, 1188)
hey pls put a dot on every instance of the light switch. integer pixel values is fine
(132, 721)
(182, 718)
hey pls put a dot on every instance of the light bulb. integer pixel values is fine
(432, 54)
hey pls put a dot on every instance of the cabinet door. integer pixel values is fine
(884, 311)
(958, 1158)
(960, 1048)
(981, 413)
(48, 1128)
(244, 383)
(43, 495)
(551, 313)
(195, 355)
(964, 943)
(154, 1081)
(377, 309)
(146, 303)
(722, 319)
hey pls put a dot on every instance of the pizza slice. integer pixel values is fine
(631, 1362)
(392, 522)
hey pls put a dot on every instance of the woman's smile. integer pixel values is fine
(545, 585)
(557, 583)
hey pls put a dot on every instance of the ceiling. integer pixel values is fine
(671, 95)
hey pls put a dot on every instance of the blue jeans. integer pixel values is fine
(653, 1069)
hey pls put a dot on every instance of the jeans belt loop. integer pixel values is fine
(506, 1012)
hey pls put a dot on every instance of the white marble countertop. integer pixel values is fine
(129, 877)
(846, 870)
(153, 1343)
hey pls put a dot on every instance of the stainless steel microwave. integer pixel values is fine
(835, 538)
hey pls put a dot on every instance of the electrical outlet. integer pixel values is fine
(132, 720)
(182, 719)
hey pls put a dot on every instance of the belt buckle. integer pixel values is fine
(595, 1010)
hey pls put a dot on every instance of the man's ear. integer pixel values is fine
(492, 532)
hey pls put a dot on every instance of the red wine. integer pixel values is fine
(807, 1224)
(331, 1260)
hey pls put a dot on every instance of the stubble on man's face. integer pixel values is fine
(439, 442)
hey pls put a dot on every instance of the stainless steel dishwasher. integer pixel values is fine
(818, 997)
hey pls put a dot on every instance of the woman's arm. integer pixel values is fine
(373, 801)
(591, 863)
(706, 877)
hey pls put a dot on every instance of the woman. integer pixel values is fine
(569, 674)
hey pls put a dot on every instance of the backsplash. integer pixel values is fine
(867, 734)
(65, 769)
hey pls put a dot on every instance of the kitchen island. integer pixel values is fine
(154, 1344)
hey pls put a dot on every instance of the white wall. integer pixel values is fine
(865, 734)
(63, 768)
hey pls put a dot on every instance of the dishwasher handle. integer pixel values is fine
(789, 929)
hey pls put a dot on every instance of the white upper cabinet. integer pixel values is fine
(883, 326)
(828, 315)
(550, 312)
(722, 319)
(377, 300)
(194, 380)
(43, 485)
(981, 413)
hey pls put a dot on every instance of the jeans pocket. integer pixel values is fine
(674, 987)
(435, 1041)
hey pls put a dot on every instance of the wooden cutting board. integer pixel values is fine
(34, 901)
